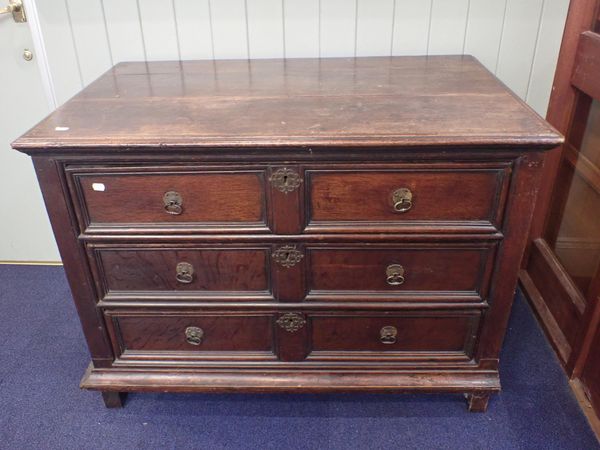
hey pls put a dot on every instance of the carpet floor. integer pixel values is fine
(43, 356)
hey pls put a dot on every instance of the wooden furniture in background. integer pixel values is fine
(301, 225)
(561, 277)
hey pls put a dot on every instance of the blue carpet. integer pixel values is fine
(43, 355)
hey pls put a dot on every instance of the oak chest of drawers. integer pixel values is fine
(300, 225)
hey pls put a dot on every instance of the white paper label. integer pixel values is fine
(98, 187)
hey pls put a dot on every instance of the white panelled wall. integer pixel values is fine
(518, 40)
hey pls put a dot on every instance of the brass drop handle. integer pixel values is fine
(184, 272)
(388, 335)
(395, 274)
(402, 199)
(173, 203)
(194, 335)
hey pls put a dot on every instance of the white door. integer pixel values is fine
(25, 233)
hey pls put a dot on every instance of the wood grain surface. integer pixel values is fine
(436, 100)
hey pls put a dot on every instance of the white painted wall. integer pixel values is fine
(516, 39)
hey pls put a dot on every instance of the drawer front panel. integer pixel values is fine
(158, 198)
(336, 337)
(195, 270)
(419, 332)
(219, 332)
(390, 198)
(402, 270)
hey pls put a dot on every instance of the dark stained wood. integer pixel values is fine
(137, 331)
(522, 196)
(293, 345)
(478, 401)
(442, 193)
(562, 103)
(586, 355)
(587, 365)
(113, 399)
(278, 103)
(551, 327)
(587, 64)
(427, 269)
(289, 280)
(353, 130)
(339, 335)
(554, 289)
(591, 325)
(294, 382)
(590, 375)
(134, 197)
(561, 276)
(220, 269)
(63, 222)
(287, 215)
(584, 403)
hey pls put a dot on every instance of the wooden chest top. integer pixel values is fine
(440, 101)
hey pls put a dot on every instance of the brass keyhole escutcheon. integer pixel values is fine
(291, 322)
(184, 273)
(287, 256)
(194, 335)
(402, 199)
(173, 203)
(388, 335)
(394, 274)
(285, 180)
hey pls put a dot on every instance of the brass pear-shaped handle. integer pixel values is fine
(184, 273)
(394, 274)
(194, 335)
(402, 199)
(388, 335)
(173, 203)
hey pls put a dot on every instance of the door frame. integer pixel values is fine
(39, 51)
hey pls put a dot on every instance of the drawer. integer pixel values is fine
(245, 337)
(185, 271)
(315, 272)
(167, 199)
(408, 334)
(396, 271)
(408, 196)
(206, 335)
